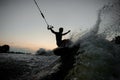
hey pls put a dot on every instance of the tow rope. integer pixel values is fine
(41, 13)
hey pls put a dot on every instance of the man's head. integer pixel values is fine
(61, 29)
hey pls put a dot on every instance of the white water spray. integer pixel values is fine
(98, 58)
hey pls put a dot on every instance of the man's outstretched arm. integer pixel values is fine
(50, 28)
(66, 32)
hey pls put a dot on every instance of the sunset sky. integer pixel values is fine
(21, 25)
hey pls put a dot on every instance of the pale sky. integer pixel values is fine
(21, 25)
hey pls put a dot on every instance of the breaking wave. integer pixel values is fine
(98, 58)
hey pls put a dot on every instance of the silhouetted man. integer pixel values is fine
(58, 35)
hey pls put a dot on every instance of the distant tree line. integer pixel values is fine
(4, 49)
